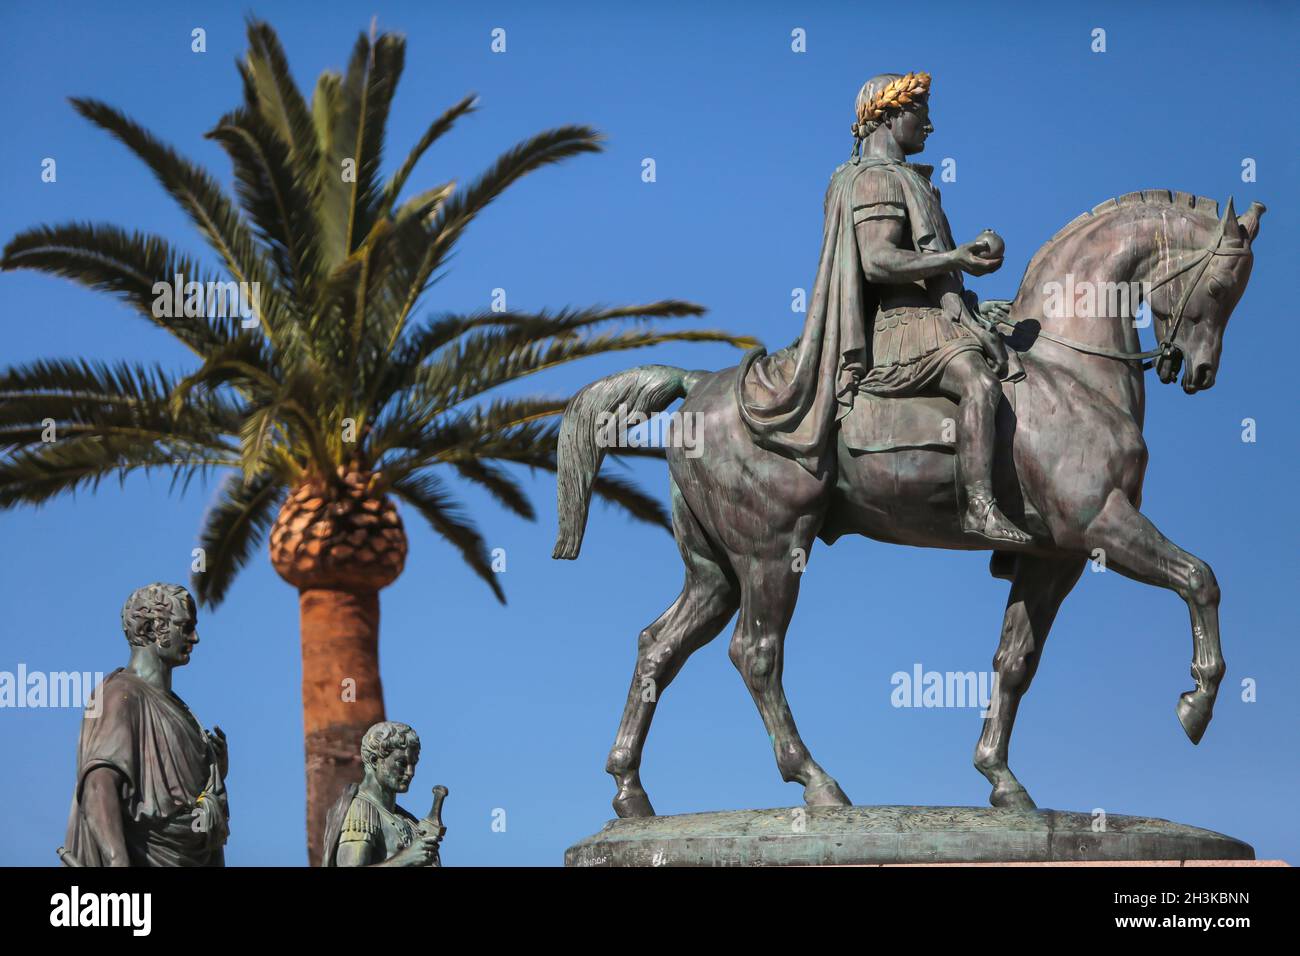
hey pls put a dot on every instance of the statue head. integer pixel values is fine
(897, 106)
(162, 618)
(390, 752)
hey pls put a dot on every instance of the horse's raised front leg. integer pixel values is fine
(769, 590)
(1038, 587)
(1134, 546)
(707, 601)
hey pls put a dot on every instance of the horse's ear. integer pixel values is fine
(1249, 220)
(1229, 215)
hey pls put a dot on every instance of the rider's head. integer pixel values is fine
(896, 106)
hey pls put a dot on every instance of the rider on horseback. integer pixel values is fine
(888, 259)
(927, 336)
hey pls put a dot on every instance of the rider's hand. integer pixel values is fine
(994, 310)
(970, 258)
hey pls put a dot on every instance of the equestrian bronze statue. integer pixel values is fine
(911, 413)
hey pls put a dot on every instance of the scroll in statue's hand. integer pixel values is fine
(217, 737)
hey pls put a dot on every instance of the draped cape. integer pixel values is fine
(792, 399)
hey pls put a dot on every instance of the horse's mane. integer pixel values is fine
(1201, 206)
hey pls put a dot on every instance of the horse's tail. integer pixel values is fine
(646, 390)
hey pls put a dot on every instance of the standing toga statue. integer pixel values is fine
(150, 787)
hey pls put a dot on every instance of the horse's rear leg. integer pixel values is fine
(1038, 587)
(1135, 547)
(769, 590)
(706, 603)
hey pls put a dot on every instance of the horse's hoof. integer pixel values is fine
(1194, 713)
(826, 794)
(633, 803)
(1012, 798)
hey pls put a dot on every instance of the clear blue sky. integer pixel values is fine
(517, 706)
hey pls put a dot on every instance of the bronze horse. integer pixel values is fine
(1070, 465)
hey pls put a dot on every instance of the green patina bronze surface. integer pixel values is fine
(366, 826)
(911, 413)
(829, 836)
(151, 781)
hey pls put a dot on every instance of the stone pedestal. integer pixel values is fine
(830, 836)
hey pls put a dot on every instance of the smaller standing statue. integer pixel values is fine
(150, 780)
(366, 827)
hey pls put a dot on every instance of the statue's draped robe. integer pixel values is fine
(334, 824)
(164, 763)
(791, 400)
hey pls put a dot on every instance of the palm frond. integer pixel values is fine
(387, 59)
(460, 434)
(36, 474)
(78, 397)
(439, 128)
(428, 495)
(232, 530)
(611, 489)
(276, 196)
(546, 324)
(259, 430)
(326, 101)
(551, 146)
(242, 362)
(422, 207)
(340, 375)
(129, 265)
(279, 103)
(207, 206)
(621, 492)
(355, 112)
(485, 360)
(498, 483)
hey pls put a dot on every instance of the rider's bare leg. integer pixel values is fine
(968, 381)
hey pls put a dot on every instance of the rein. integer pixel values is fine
(1166, 345)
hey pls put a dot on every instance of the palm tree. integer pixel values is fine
(330, 396)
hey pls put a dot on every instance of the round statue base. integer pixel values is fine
(875, 836)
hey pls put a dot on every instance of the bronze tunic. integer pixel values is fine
(912, 339)
(791, 400)
(386, 832)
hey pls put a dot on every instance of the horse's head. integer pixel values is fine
(1195, 299)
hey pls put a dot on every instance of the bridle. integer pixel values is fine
(1165, 349)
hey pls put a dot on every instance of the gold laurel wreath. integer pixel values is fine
(893, 96)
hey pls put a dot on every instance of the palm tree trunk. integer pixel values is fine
(341, 694)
